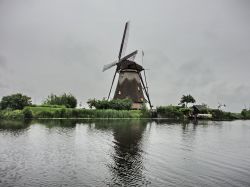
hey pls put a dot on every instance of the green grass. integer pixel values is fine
(59, 112)
(53, 112)
(177, 112)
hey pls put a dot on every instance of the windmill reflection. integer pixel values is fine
(127, 157)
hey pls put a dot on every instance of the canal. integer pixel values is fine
(124, 153)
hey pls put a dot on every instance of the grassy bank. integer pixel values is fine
(178, 112)
(35, 112)
(57, 111)
(172, 112)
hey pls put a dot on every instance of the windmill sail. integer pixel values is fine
(129, 56)
(124, 41)
(132, 58)
(107, 66)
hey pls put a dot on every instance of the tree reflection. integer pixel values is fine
(16, 127)
(52, 123)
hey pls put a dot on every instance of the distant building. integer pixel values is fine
(199, 109)
(201, 112)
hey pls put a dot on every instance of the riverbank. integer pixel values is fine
(170, 112)
(178, 112)
(38, 112)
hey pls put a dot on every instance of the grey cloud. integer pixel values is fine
(3, 62)
(195, 74)
(3, 86)
(196, 47)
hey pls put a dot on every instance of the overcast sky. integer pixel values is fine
(192, 47)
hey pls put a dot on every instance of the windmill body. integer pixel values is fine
(130, 82)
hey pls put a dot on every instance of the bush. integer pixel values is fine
(1, 114)
(116, 104)
(170, 112)
(15, 102)
(245, 114)
(145, 112)
(221, 115)
(67, 100)
(12, 114)
(185, 111)
(44, 114)
(27, 113)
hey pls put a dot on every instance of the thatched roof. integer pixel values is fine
(127, 64)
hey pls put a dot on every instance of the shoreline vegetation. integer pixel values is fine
(20, 107)
(162, 112)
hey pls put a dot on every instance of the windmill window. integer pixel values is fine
(138, 88)
(119, 93)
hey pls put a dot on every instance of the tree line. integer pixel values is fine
(19, 101)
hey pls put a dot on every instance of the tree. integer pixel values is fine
(185, 99)
(67, 100)
(116, 104)
(15, 101)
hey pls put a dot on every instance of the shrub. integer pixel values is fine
(221, 115)
(116, 104)
(185, 111)
(63, 112)
(1, 114)
(170, 111)
(57, 114)
(145, 112)
(44, 114)
(27, 113)
(245, 114)
(11, 114)
(68, 100)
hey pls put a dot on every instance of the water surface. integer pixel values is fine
(124, 153)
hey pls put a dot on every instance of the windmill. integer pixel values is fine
(130, 82)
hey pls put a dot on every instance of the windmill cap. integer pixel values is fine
(127, 64)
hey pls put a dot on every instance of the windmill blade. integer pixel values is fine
(146, 91)
(132, 58)
(124, 41)
(145, 80)
(131, 55)
(112, 84)
(108, 66)
(142, 55)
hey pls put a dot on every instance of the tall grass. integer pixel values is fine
(48, 112)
